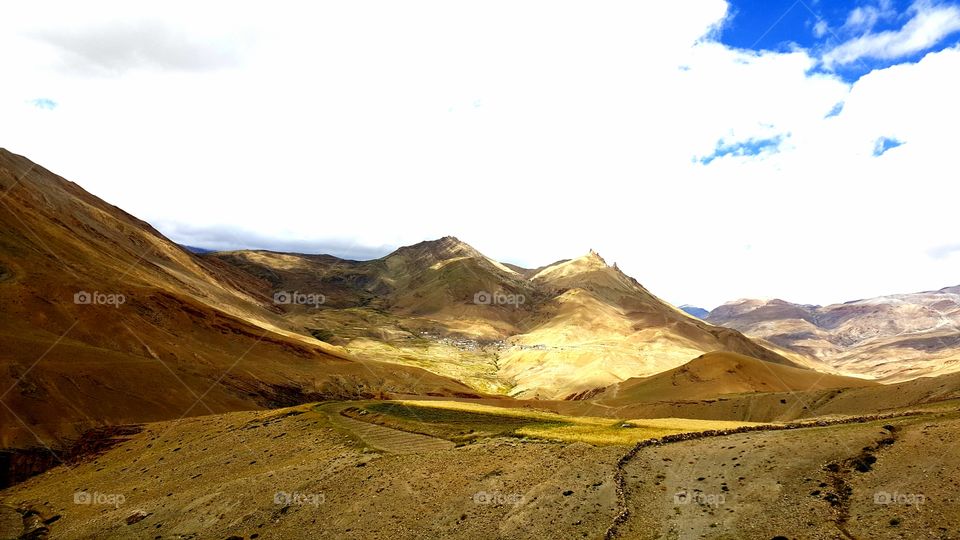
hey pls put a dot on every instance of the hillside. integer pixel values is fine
(717, 374)
(106, 321)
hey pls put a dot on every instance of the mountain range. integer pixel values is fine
(550, 332)
(211, 393)
(106, 320)
(249, 329)
(890, 338)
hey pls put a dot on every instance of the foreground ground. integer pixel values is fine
(357, 470)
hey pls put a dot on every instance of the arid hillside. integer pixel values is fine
(106, 321)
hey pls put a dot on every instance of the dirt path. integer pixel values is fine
(383, 438)
(840, 476)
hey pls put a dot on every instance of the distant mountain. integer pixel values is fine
(895, 338)
(698, 312)
(572, 326)
(198, 250)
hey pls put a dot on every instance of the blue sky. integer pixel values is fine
(818, 26)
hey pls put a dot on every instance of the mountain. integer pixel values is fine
(195, 249)
(599, 326)
(893, 338)
(697, 312)
(551, 332)
(106, 321)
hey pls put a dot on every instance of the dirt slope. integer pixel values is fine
(291, 474)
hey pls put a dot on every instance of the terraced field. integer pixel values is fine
(382, 438)
(463, 422)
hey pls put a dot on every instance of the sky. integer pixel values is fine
(714, 150)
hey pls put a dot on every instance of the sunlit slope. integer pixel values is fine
(104, 320)
(602, 327)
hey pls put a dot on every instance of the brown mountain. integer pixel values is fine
(569, 327)
(106, 321)
(894, 338)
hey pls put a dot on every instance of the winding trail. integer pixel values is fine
(619, 477)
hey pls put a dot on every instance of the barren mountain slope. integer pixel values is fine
(104, 320)
(601, 326)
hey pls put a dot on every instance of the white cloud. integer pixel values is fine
(356, 126)
(821, 28)
(864, 18)
(929, 25)
(113, 48)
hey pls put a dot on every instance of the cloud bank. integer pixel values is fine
(533, 130)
